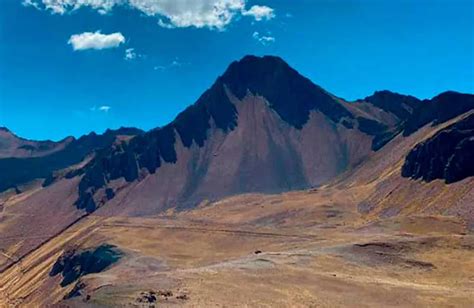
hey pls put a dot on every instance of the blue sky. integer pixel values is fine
(49, 90)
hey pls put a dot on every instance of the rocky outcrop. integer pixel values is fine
(74, 264)
(447, 155)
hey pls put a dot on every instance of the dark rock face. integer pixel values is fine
(125, 160)
(291, 95)
(414, 113)
(75, 264)
(402, 106)
(49, 180)
(441, 108)
(16, 171)
(192, 124)
(382, 134)
(447, 155)
(461, 164)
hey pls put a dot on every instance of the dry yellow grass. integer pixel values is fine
(307, 259)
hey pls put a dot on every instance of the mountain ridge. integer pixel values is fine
(288, 107)
(268, 80)
(21, 170)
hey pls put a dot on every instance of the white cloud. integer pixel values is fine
(176, 63)
(130, 54)
(263, 39)
(64, 6)
(214, 14)
(260, 12)
(95, 40)
(103, 108)
(173, 64)
(31, 3)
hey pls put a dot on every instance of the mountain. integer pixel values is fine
(23, 160)
(439, 109)
(402, 106)
(266, 175)
(261, 127)
(12, 146)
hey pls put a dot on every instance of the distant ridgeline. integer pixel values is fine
(17, 171)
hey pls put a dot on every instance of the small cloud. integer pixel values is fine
(103, 108)
(31, 3)
(96, 40)
(164, 24)
(260, 12)
(130, 54)
(263, 39)
(289, 15)
(174, 63)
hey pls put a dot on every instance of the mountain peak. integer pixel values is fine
(400, 105)
(261, 66)
(439, 109)
(251, 60)
(448, 95)
(289, 93)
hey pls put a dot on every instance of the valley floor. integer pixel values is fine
(299, 249)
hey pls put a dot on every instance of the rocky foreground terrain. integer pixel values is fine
(267, 192)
